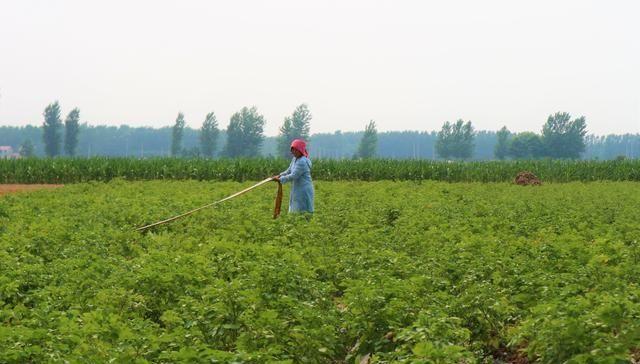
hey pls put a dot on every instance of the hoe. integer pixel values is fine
(276, 210)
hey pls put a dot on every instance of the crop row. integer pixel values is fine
(67, 170)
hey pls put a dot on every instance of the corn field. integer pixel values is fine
(73, 170)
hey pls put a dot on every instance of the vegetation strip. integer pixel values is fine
(73, 170)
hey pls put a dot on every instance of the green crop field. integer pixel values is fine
(73, 170)
(414, 272)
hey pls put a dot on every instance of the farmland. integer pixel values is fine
(413, 271)
(73, 170)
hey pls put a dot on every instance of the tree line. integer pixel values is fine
(560, 137)
(244, 134)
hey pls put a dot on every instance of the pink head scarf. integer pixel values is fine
(300, 146)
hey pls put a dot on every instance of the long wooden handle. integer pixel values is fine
(278, 203)
(205, 206)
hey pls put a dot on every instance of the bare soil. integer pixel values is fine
(12, 188)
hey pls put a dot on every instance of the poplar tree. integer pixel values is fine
(71, 127)
(209, 135)
(176, 135)
(51, 129)
(369, 142)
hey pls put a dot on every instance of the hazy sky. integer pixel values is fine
(405, 64)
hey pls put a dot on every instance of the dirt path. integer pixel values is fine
(21, 188)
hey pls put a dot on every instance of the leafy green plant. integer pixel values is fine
(413, 272)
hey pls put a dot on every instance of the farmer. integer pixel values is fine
(299, 173)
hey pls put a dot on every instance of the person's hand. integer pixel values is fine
(275, 178)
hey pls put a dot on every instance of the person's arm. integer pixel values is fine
(286, 172)
(299, 167)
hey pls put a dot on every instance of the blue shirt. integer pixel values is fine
(299, 174)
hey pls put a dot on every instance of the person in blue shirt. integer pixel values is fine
(299, 174)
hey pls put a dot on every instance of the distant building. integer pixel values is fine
(6, 151)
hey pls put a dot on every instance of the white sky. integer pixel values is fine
(405, 64)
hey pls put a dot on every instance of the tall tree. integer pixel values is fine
(209, 135)
(563, 137)
(296, 126)
(455, 140)
(235, 137)
(27, 149)
(71, 128)
(501, 150)
(245, 133)
(526, 145)
(51, 129)
(369, 143)
(176, 135)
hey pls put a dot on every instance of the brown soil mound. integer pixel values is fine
(527, 179)
(20, 188)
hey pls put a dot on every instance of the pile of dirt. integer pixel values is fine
(527, 179)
